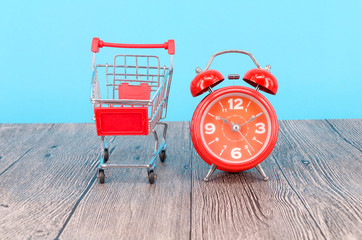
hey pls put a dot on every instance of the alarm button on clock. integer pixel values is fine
(204, 80)
(262, 77)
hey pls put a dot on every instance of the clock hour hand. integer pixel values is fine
(235, 124)
(236, 128)
(224, 120)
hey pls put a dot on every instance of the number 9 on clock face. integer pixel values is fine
(234, 128)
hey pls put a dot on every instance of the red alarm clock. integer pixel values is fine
(234, 128)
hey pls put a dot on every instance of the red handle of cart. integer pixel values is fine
(97, 43)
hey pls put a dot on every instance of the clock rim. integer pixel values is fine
(209, 157)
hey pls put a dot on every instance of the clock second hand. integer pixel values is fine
(244, 138)
(232, 124)
(246, 141)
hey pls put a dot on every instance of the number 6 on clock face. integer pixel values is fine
(234, 128)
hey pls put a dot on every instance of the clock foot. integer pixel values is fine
(211, 171)
(261, 171)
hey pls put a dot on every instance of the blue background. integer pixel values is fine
(314, 48)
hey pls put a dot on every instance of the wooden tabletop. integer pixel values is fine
(49, 188)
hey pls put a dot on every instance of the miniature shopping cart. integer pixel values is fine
(136, 89)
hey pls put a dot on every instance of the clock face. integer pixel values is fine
(238, 125)
(235, 128)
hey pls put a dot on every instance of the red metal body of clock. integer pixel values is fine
(234, 128)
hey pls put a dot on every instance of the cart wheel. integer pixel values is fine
(151, 176)
(101, 176)
(162, 155)
(106, 155)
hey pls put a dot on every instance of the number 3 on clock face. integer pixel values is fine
(234, 128)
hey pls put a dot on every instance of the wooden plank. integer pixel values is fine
(243, 206)
(39, 192)
(325, 171)
(349, 130)
(50, 190)
(127, 206)
(312, 192)
(17, 140)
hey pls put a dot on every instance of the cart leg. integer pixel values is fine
(104, 143)
(211, 171)
(156, 139)
(105, 155)
(261, 171)
(158, 149)
(101, 174)
(165, 126)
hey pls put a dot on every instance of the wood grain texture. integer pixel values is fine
(49, 189)
(349, 130)
(243, 206)
(127, 206)
(312, 192)
(17, 140)
(325, 171)
(39, 192)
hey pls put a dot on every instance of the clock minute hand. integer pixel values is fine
(238, 127)
(251, 119)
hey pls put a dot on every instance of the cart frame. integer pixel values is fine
(157, 103)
